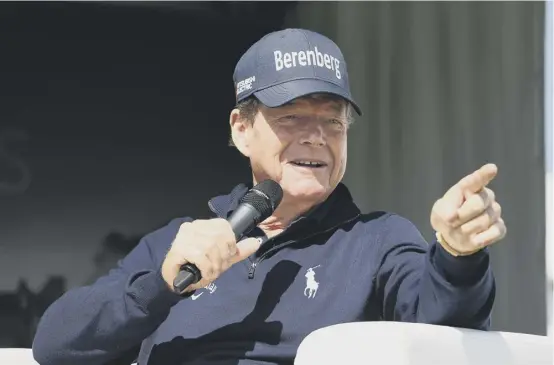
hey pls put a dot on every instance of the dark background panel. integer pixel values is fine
(113, 121)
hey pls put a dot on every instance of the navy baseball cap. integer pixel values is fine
(289, 64)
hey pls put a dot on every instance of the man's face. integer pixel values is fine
(302, 146)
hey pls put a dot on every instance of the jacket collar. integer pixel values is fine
(337, 208)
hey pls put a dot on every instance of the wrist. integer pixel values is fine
(451, 250)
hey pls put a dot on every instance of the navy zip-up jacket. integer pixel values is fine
(333, 265)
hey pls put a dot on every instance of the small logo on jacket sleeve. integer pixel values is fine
(211, 288)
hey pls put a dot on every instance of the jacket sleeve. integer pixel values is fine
(109, 319)
(418, 282)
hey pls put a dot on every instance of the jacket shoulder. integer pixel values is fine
(389, 226)
(386, 218)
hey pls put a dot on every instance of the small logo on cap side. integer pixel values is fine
(245, 84)
(306, 57)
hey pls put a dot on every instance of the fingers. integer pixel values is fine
(231, 248)
(494, 233)
(216, 258)
(202, 262)
(483, 221)
(474, 206)
(245, 249)
(219, 258)
(208, 244)
(468, 216)
(471, 184)
(447, 215)
(478, 179)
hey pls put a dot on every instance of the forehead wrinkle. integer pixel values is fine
(335, 106)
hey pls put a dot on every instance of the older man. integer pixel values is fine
(315, 262)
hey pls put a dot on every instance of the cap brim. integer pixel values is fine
(278, 95)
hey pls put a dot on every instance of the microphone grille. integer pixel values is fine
(264, 197)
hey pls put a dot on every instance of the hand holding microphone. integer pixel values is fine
(204, 249)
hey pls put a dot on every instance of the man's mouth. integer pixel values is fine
(314, 164)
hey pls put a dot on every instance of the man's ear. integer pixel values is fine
(239, 132)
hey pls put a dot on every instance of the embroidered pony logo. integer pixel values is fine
(311, 284)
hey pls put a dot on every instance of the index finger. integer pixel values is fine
(476, 181)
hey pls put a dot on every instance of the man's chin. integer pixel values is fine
(307, 193)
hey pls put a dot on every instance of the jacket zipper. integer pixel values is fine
(252, 269)
(255, 263)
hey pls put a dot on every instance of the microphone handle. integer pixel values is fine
(188, 275)
(242, 221)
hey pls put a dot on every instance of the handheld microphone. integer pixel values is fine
(256, 206)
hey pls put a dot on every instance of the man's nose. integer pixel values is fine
(313, 134)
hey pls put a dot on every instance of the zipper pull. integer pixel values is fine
(252, 270)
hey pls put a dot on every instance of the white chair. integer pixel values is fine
(394, 343)
(16, 356)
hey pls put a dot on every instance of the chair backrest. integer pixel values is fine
(17, 356)
(397, 343)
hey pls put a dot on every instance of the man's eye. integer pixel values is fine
(289, 118)
(337, 123)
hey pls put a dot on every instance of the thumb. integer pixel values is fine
(246, 248)
(447, 210)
